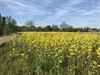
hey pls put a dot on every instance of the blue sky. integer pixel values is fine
(79, 13)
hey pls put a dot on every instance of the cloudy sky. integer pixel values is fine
(79, 13)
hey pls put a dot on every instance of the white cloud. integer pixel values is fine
(65, 9)
(22, 7)
(69, 7)
(52, 10)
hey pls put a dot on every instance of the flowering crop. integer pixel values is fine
(51, 53)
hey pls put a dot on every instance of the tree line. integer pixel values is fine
(9, 25)
(63, 27)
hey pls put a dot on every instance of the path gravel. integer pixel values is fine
(5, 39)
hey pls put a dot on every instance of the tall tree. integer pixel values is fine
(30, 25)
(65, 27)
(0, 19)
(39, 28)
(7, 25)
(48, 28)
(0, 26)
(55, 28)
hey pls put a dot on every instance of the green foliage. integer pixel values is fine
(42, 53)
(7, 25)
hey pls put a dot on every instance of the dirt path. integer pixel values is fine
(5, 39)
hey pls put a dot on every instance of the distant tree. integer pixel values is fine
(7, 25)
(3, 21)
(6, 29)
(0, 19)
(10, 25)
(55, 28)
(13, 25)
(78, 30)
(39, 28)
(86, 29)
(0, 25)
(30, 25)
(24, 28)
(66, 27)
(48, 28)
(70, 28)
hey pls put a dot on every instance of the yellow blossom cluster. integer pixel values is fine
(57, 53)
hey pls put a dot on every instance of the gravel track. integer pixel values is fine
(5, 39)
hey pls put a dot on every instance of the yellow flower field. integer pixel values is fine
(51, 53)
